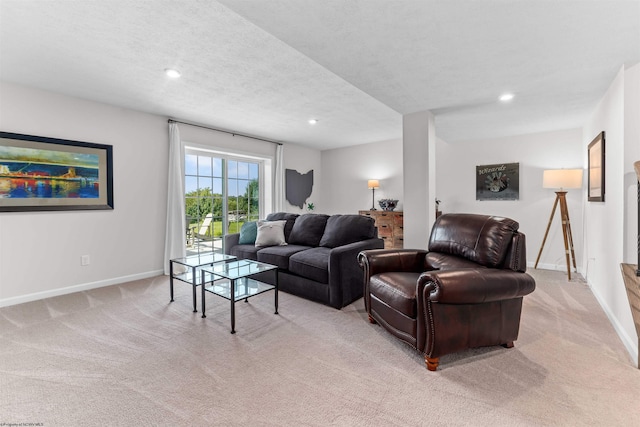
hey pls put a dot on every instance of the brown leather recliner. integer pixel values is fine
(464, 292)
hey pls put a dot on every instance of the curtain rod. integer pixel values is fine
(225, 131)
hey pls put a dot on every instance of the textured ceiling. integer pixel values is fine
(264, 68)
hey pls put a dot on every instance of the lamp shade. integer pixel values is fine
(373, 183)
(562, 178)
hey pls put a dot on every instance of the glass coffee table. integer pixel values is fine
(189, 270)
(232, 281)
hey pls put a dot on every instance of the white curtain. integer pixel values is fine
(175, 237)
(278, 193)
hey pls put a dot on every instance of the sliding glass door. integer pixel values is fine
(221, 194)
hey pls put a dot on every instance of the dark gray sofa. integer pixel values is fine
(320, 260)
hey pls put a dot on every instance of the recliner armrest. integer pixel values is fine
(383, 260)
(473, 286)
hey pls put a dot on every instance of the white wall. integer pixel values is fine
(419, 160)
(304, 159)
(631, 155)
(40, 251)
(604, 221)
(346, 171)
(456, 186)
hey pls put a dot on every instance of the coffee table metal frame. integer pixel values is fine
(193, 263)
(232, 281)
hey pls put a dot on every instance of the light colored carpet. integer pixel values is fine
(122, 355)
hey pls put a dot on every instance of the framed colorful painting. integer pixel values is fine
(46, 174)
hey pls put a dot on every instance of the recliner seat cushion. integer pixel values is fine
(344, 229)
(482, 239)
(398, 290)
(312, 264)
(308, 230)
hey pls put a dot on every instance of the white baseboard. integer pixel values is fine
(554, 267)
(630, 343)
(77, 288)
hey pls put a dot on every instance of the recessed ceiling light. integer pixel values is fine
(174, 74)
(313, 121)
(506, 97)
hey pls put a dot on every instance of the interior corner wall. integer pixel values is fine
(631, 155)
(419, 149)
(456, 187)
(347, 170)
(604, 221)
(40, 252)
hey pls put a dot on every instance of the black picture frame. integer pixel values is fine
(596, 169)
(498, 182)
(49, 174)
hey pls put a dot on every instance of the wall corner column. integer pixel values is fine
(419, 159)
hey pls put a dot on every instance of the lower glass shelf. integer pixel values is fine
(244, 288)
(187, 277)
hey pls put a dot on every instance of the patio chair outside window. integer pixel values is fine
(204, 228)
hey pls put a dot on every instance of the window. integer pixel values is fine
(222, 192)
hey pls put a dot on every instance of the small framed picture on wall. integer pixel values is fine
(498, 182)
(596, 158)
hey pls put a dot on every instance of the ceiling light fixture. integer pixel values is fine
(313, 121)
(506, 97)
(174, 74)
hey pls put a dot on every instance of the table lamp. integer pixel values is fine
(372, 184)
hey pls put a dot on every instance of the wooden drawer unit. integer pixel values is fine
(390, 227)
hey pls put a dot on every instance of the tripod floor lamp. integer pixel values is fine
(562, 179)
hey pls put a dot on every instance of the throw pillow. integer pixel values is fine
(308, 230)
(344, 229)
(290, 217)
(248, 233)
(270, 233)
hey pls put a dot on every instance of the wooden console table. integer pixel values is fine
(390, 226)
(632, 283)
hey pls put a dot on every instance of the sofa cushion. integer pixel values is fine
(270, 233)
(482, 239)
(289, 217)
(308, 229)
(312, 264)
(279, 255)
(344, 229)
(248, 233)
(244, 252)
